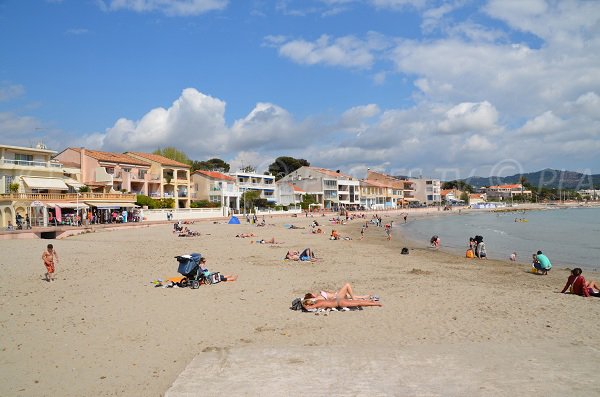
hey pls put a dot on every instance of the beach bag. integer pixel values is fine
(404, 251)
(469, 254)
(296, 304)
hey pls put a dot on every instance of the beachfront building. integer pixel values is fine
(505, 192)
(248, 181)
(36, 183)
(107, 172)
(427, 191)
(215, 187)
(476, 198)
(589, 194)
(452, 196)
(331, 189)
(378, 195)
(289, 194)
(402, 189)
(174, 180)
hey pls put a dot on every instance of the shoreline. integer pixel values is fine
(103, 329)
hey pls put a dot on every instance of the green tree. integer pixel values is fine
(465, 197)
(84, 189)
(460, 185)
(307, 200)
(284, 165)
(211, 165)
(249, 198)
(204, 204)
(173, 154)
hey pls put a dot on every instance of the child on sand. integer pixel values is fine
(50, 258)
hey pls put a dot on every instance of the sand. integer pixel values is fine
(103, 329)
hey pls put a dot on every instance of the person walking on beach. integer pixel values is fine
(50, 258)
(362, 232)
(405, 216)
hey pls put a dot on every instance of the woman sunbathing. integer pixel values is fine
(271, 241)
(244, 235)
(345, 292)
(313, 303)
(306, 255)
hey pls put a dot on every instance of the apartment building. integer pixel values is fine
(376, 195)
(505, 192)
(265, 184)
(331, 189)
(427, 191)
(289, 194)
(402, 189)
(174, 178)
(215, 187)
(46, 187)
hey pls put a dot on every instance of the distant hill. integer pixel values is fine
(545, 178)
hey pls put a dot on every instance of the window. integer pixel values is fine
(8, 180)
(428, 182)
(143, 173)
(126, 169)
(110, 170)
(23, 159)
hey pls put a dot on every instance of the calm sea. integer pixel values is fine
(567, 236)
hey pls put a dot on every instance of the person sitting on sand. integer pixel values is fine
(345, 292)
(334, 235)
(314, 303)
(577, 285)
(244, 235)
(223, 277)
(435, 241)
(513, 257)
(306, 255)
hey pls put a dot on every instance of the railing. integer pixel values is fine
(68, 196)
(45, 164)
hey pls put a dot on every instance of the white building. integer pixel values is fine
(289, 194)
(331, 189)
(265, 184)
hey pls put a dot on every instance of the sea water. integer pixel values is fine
(570, 237)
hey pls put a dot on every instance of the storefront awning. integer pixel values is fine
(109, 205)
(45, 183)
(68, 205)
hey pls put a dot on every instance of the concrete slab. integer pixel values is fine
(477, 369)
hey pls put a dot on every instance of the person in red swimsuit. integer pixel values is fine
(50, 258)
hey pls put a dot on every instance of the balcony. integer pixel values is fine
(68, 196)
(27, 163)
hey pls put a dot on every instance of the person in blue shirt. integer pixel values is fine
(541, 262)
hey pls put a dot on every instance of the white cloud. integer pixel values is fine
(345, 51)
(398, 4)
(10, 91)
(167, 7)
(470, 117)
(544, 124)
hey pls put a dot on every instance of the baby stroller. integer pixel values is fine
(193, 274)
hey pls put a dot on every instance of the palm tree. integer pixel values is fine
(522, 181)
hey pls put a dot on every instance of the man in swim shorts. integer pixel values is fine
(50, 258)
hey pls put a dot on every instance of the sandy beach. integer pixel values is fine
(103, 329)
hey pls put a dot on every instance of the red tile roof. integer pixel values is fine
(109, 157)
(215, 175)
(162, 160)
(376, 183)
(296, 188)
(513, 186)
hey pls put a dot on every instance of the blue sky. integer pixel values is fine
(440, 88)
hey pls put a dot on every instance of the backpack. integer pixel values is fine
(404, 251)
(297, 304)
(469, 254)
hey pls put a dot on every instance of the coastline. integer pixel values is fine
(103, 329)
